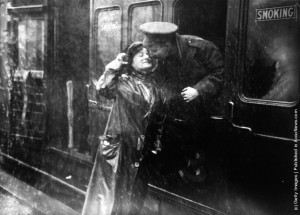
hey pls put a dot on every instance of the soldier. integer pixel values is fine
(190, 71)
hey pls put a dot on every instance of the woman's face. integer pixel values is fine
(141, 61)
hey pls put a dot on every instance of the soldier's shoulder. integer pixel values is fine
(194, 41)
(198, 42)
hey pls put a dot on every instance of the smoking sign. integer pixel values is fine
(276, 13)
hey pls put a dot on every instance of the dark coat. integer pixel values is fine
(200, 65)
(116, 163)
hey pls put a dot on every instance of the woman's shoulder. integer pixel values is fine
(126, 81)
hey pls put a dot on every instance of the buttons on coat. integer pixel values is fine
(135, 165)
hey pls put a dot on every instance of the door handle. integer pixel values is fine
(231, 104)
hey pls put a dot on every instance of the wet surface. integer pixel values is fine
(10, 205)
(18, 197)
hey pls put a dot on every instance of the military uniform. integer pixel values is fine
(199, 64)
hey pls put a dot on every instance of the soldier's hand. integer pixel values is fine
(189, 94)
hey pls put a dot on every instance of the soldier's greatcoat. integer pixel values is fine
(199, 64)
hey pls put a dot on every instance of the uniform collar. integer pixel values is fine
(182, 45)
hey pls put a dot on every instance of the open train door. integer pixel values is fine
(205, 19)
(174, 192)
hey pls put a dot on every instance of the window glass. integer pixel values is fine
(108, 37)
(3, 17)
(272, 51)
(140, 14)
(31, 44)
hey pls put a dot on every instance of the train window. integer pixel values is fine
(3, 17)
(26, 30)
(108, 35)
(198, 17)
(272, 46)
(31, 43)
(4, 74)
(140, 13)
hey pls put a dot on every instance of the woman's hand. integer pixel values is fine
(121, 58)
(111, 70)
(97, 83)
(117, 63)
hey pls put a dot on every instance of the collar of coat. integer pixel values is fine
(184, 42)
(182, 46)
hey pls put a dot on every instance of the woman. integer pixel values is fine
(135, 95)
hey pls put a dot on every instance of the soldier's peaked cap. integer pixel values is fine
(157, 30)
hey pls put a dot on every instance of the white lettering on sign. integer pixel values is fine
(110, 26)
(276, 13)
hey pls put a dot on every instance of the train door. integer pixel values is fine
(265, 98)
(27, 42)
(262, 94)
(115, 24)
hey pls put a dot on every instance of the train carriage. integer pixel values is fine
(52, 117)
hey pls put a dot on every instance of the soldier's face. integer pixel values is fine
(159, 50)
(142, 61)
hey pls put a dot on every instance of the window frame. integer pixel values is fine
(30, 17)
(36, 12)
(95, 29)
(243, 37)
(3, 21)
(132, 6)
